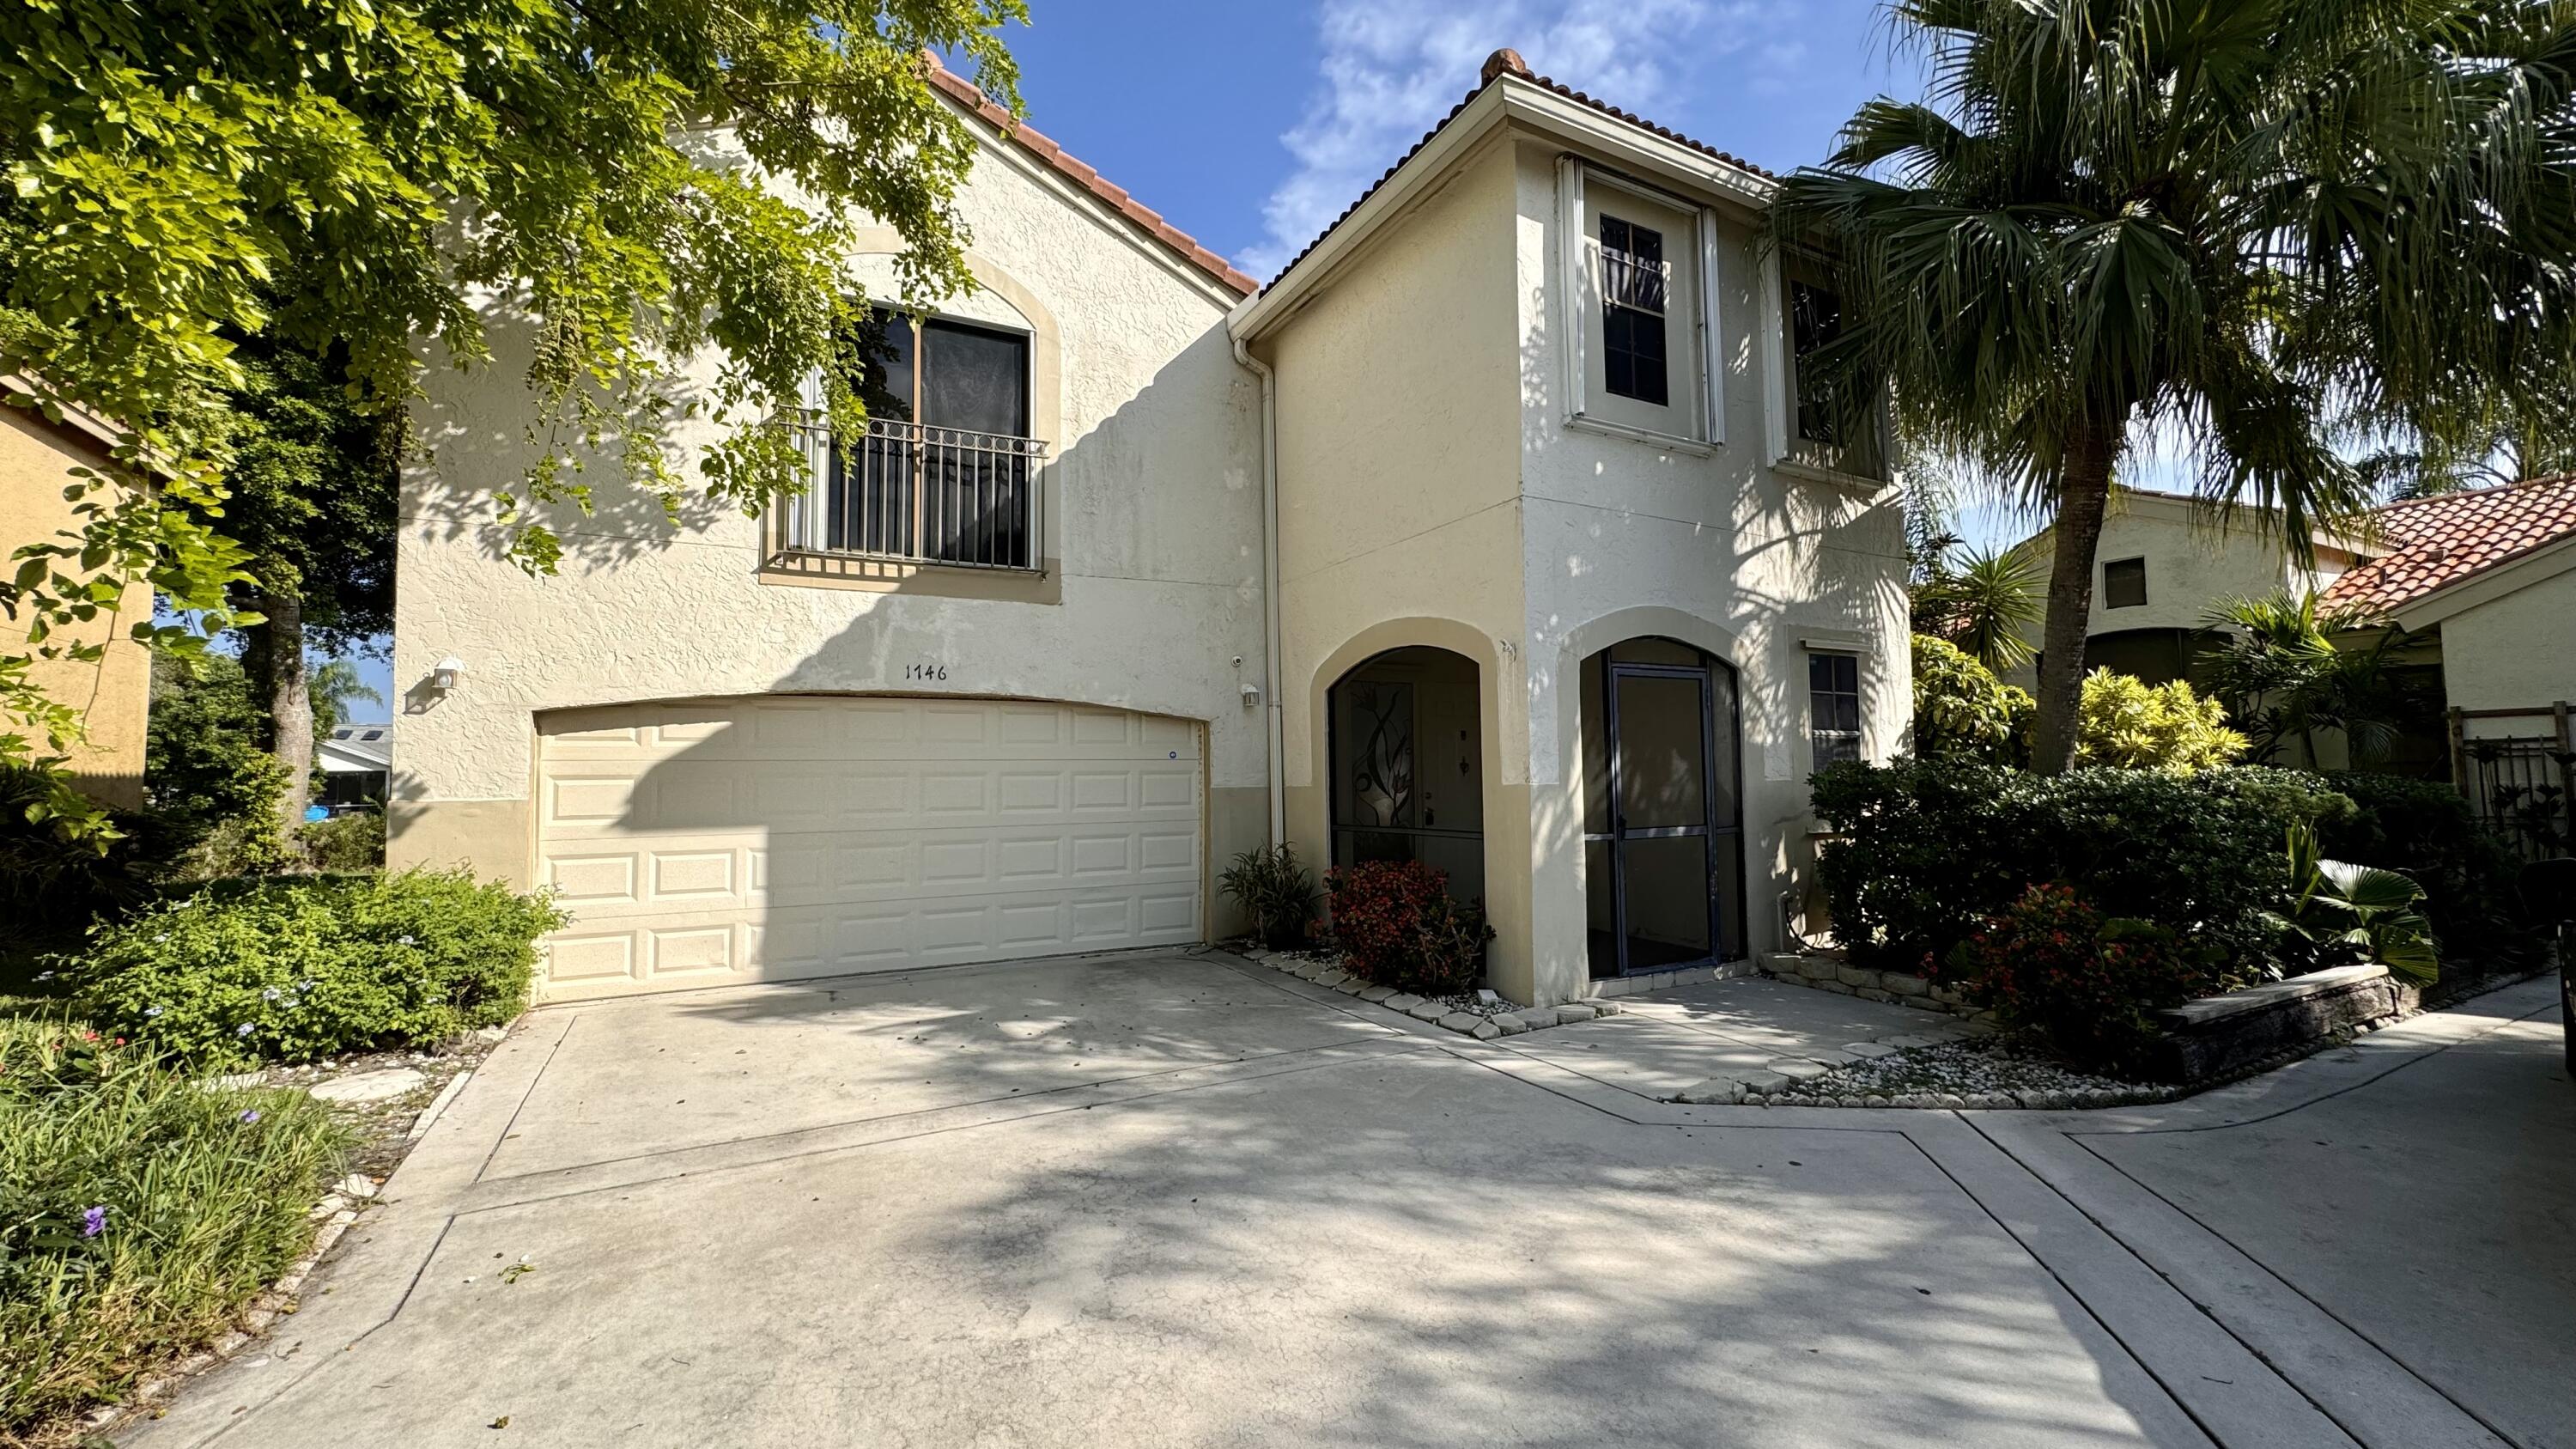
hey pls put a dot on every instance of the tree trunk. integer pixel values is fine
(2082, 493)
(290, 708)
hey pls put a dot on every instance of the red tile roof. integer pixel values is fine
(2433, 543)
(1502, 63)
(1038, 144)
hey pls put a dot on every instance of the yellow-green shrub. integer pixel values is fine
(2133, 725)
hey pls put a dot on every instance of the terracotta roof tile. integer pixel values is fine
(2433, 543)
(1502, 63)
(1037, 143)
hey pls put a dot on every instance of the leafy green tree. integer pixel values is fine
(2269, 226)
(347, 180)
(206, 776)
(315, 486)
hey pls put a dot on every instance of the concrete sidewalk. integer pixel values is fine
(1175, 1200)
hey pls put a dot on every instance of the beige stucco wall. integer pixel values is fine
(2194, 559)
(2517, 651)
(1623, 538)
(1399, 440)
(1430, 494)
(115, 693)
(1153, 600)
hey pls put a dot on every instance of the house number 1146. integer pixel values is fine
(925, 671)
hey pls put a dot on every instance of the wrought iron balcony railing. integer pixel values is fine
(917, 493)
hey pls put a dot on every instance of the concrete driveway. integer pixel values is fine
(1181, 1200)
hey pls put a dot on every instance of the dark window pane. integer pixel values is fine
(1634, 286)
(1815, 321)
(877, 353)
(1632, 360)
(1833, 707)
(2124, 583)
(975, 378)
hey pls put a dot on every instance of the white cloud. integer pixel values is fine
(1391, 71)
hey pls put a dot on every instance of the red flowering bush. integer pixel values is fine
(2052, 965)
(1395, 924)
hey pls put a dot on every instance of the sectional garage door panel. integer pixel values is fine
(744, 840)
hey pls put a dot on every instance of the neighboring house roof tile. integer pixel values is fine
(2433, 543)
(1502, 63)
(1040, 145)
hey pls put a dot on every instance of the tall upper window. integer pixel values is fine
(2124, 583)
(1636, 287)
(1815, 321)
(1833, 707)
(945, 471)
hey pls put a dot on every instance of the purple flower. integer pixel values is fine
(93, 1222)
(242, 1030)
(251, 1116)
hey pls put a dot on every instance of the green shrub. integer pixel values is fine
(1934, 848)
(2051, 965)
(1276, 891)
(2342, 914)
(1451, 956)
(344, 843)
(2128, 723)
(295, 968)
(51, 887)
(140, 1210)
(1962, 710)
(2470, 878)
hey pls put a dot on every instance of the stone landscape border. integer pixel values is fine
(1511, 1020)
(1825, 972)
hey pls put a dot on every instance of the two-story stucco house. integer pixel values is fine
(1491, 534)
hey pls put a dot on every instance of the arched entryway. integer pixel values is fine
(1405, 748)
(1663, 808)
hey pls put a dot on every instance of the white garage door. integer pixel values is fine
(759, 839)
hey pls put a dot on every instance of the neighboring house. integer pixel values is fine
(355, 760)
(2481, 583)
(1569, 594)
(114, 694)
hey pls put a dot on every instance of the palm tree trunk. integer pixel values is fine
(2082, 494)
(290, 707)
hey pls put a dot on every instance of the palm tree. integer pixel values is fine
(2270, 227)
(2278, 664)
(1986, 605)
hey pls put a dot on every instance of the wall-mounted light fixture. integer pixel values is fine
(1252, 696)
(444, 674)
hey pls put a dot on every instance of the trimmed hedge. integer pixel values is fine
(295, 968)
(1937, 848)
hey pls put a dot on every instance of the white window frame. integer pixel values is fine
(1777, 409)
(1581, 328)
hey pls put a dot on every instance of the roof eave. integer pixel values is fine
(1506, 100)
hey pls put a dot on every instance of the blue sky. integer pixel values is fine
(1252, 125)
